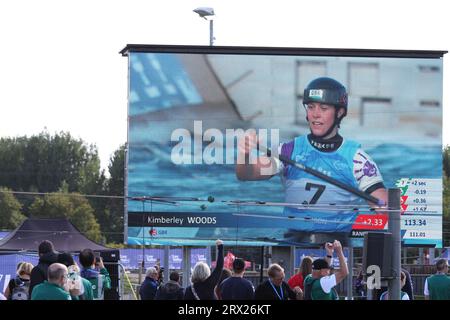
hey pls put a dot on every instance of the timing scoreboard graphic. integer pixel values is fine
(421, 209)
(421, 213)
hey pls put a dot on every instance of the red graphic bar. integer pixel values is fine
(370, 222)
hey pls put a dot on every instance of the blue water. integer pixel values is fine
(401, 161)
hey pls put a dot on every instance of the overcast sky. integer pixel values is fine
(60, 68)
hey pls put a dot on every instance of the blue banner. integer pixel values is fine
(8, 266)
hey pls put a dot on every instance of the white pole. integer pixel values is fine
(350, 270)
(186, 266)
(166, 263)
(211, 32)
(292, 261)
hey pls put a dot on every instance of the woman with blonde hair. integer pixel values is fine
(19, 287)
(203, 281)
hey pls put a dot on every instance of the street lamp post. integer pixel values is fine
(204, 12)
(211, 32)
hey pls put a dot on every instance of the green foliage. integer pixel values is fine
(446, 195)
(116, 245)
(48, 163)
(109, 211)
(91, 178)
(116, 170)
(446, 161)
(115, 187)
(10, 215)
(74, 207)
(42, 162)
(93, 182)
(446, 211)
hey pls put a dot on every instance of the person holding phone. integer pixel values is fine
(94, 270)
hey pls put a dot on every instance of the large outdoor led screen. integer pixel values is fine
(361, 123)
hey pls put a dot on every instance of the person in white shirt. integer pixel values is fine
(319, 285)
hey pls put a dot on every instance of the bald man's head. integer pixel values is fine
(57, 273)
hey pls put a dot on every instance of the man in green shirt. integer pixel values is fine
(437, 287)
(320, 284)
(54, 288)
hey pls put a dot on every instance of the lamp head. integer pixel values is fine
(203, 12)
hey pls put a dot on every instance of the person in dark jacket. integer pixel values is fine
(55, 287)
(203, 281)
(150, 285)
(226, 273)
(236, 287)
(47, 256)
(170, 290)
(275, 288)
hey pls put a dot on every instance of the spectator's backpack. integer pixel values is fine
(21, 289)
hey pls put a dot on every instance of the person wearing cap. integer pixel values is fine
(320, 284)
(325, 102)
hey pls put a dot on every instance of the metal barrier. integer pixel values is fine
(125, 279)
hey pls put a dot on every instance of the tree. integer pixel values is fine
(10, 215)
(43, 162)
(11, 160)
(92, 181)
(446, 161)
(446, 211)
(74, 207)
(446, 195)
(115, 187)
